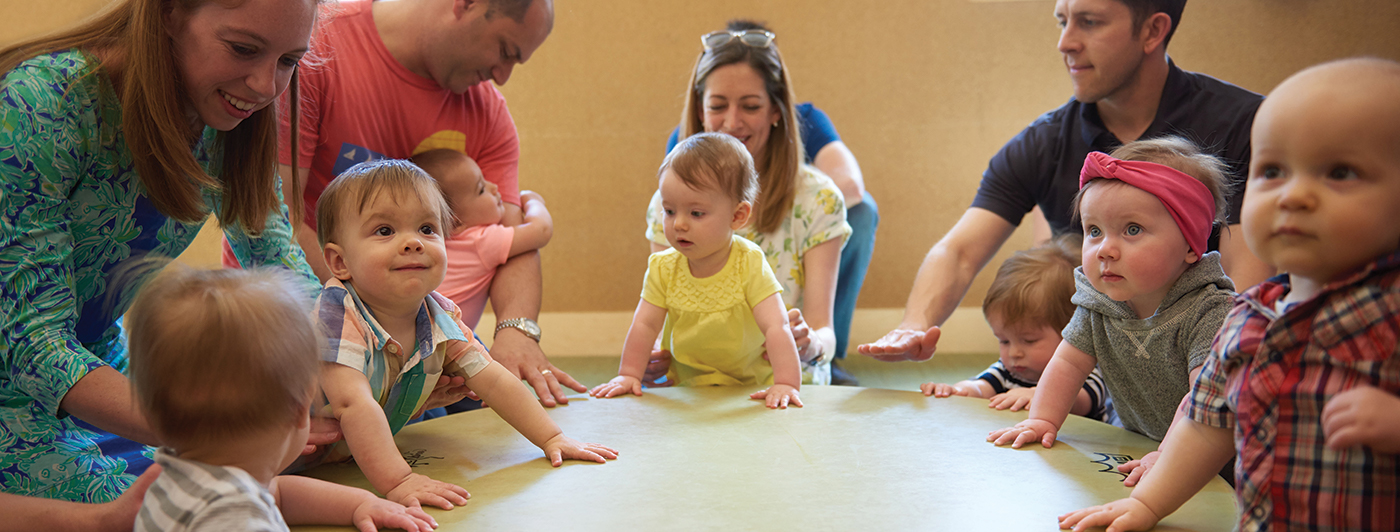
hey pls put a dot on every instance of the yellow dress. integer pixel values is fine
(710, 328)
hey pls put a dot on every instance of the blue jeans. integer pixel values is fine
(855, 260)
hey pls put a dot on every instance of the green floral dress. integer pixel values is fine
(72, 212)
(818, 215)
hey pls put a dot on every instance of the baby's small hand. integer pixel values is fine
(416, 490)
(561, 447)
(1365, 416)
(617, 386)
(938, 389)
(778, 396)
(1015, 399)
(377, 512)
(527, 195)
(1136, 469)
(1025, 432)
(1120, 515)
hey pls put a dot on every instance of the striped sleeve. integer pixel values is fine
(1001, 379)
(345, 341)
(1098, 396)
(465, 356)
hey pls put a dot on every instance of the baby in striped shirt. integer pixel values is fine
(1027, 305)
(223, 367)
(390, 337)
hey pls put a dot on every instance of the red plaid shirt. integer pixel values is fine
(1269, 376)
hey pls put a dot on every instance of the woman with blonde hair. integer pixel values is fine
(120, 137)
(741, 87)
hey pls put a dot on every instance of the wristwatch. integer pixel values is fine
(526, 325)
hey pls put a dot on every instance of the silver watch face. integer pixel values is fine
(530, 327)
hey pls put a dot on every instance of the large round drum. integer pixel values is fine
(712, 459)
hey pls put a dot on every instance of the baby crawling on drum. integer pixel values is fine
(712, 297)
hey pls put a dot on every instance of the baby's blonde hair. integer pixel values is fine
(437, 162)
(1034, 286)
(714, 161)
(218, 353)
(361, 184)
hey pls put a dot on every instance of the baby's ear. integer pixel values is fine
(741, 215)
(335, 260)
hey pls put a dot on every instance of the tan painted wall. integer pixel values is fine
(923, 91)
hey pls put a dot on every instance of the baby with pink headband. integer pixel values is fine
(1149, 295)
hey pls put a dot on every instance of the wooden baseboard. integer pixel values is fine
(602, 333)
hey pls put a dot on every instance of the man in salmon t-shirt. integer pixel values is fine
(393, 79)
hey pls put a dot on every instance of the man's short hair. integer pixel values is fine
(1034, 287)
(1142, 9)
(361, 184)
(216, 354)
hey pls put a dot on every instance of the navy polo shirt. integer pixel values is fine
(1040, 166)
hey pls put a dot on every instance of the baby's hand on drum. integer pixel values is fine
(938, 389)
(1119, 516)
(561, 447)
(1027, 431)
(1014, 399)
(617, 386)
(416, 490)
(778, 396)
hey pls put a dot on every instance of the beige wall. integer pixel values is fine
(923, 91)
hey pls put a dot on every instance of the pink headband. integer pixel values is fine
(1186, 198)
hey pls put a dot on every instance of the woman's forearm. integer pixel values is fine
(103, 398)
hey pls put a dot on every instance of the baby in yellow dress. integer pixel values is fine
(712, 297)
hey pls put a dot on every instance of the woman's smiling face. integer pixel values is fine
(235, 58)
(736, 102)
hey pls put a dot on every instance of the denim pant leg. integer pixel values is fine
(855, 260)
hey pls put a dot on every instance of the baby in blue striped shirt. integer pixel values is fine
(1027, 305)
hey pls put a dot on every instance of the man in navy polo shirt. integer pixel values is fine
(1125, 89)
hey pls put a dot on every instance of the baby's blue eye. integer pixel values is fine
(1093, 232)
(696, 214)
(1341, 173)
(1134, 230)
(1270, 172)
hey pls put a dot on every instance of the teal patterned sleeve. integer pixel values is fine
(275, 246)
(46, 121)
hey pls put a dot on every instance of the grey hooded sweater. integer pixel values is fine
(1145, 362)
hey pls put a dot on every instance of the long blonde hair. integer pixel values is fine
(782, 157)
(154, 126)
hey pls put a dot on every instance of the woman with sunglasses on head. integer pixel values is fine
(121, 136)
(822, 147)
(741, 87)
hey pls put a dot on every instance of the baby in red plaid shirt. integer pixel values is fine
(1303, 378)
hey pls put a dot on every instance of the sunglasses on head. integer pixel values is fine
(754, 38)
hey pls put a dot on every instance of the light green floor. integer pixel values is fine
(872, 374)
